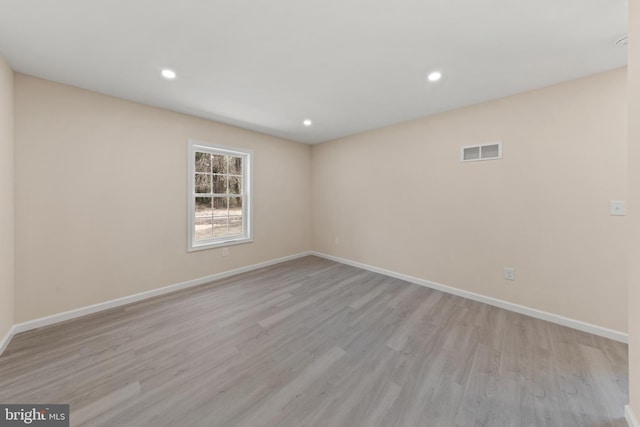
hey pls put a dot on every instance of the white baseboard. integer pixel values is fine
(83, 311)
(538, 314)
(4, 342)
(630, 417)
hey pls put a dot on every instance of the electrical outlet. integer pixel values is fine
(509, 273)
(225, 251)
(337, 241)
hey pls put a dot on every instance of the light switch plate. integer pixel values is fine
(617, 208)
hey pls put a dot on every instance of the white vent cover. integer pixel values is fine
(474, 153)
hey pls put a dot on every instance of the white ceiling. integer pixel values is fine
(349, 65)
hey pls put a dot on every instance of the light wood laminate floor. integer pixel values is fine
(315, 343)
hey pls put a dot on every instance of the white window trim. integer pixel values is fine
(247, 218)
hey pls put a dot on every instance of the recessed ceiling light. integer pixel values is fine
(434, 76)
(307, 122)
(168, 74)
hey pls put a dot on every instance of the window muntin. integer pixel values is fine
(219, 195)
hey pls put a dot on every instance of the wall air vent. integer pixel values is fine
(474, 153)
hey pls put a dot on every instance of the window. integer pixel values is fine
(219, 196)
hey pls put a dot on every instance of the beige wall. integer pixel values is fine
(101, 192)
(398, 198)
(634, 202)
(6, 198)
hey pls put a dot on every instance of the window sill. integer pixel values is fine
(214, 245)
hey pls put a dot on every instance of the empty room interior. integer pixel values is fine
(336, 213)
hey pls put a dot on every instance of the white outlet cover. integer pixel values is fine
(509, 273)
(617, 208)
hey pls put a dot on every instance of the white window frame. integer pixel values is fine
(247, 206)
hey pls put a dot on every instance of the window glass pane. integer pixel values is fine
(203, 206)
(235, 165)
(235, 206)
(203, 183)
(219, 184)
(220, 206)
(235, 225)
(220, 227)
(235, 185)
(204, 228)
(219, 163)
(203, 162)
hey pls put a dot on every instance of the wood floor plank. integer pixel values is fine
(274, 407)
(104, 404)
(314, 343)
